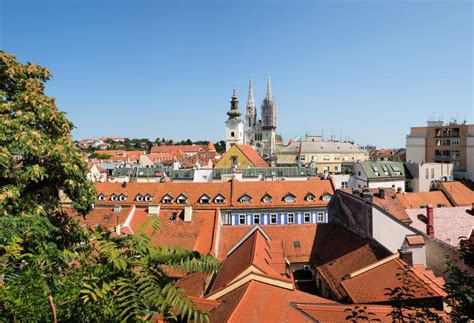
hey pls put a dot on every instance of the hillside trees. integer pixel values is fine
(50, 268)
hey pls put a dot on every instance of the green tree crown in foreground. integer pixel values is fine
(50, 268)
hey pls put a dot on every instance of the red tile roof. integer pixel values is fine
(371, 286)
(288, 234)
(176, 148)
(252, 155)
(460, 193)
(278, 190)
(103, 217)
(193, 191)
(416, 200)
(254, 252)
(259, 302)
(391, 203)
(329, 313)
(340, 252)
(197, 235)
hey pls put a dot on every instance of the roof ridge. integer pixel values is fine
(374, 265)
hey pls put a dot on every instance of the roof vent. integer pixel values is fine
(297, 244)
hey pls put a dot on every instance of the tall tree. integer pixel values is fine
(50, 268)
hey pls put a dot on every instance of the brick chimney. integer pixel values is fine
(430, 221)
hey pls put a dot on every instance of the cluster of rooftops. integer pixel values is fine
(262, 265)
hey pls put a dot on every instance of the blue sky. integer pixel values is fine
(366, 69)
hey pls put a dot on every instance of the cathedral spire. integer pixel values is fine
(269, 88)
(250, 101)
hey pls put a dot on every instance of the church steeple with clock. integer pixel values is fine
(234, 124)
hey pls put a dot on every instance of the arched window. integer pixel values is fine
(232, 134)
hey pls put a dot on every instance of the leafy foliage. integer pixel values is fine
(401, 298)
(49, 265)
(360, 314)
(461, 286)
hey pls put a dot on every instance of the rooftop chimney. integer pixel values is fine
(430, 221)
(117, 208)
(188, 213)
(153, 209)
(382, 193)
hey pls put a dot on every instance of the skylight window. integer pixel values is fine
(396, 168)
(148, 198)
(113, 197)
(289, 198)
(297, 244)
(101, 197)
(138, 198)
(267, 199)
(122, 197)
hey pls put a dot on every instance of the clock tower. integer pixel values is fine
(234, 124)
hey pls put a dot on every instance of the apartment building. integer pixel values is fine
(441, 142)
(326, 156)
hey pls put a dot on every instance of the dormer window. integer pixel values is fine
(113, 197)
(182, 199)
(205, 199)
(289, 198)
(167, 199)
(122, 197)
(101, 197)
(219, 199)
(326, 197)
(148, 198)
(309, 198)
(138, 198)
(267, 199)
(245, 199)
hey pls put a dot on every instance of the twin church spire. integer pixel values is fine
(268, 108)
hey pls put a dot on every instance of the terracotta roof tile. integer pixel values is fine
(460, 193)
(371, 285)
(416, 200)
(197, 235)
(391, 203)
(253, 156)
(103, 217)
(254, 252)
(259, 302)
(329, 313)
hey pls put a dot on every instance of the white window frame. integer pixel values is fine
(148, 198)
(273, 216)
(242, 217)
(113, 197)
(326, 158)
(308, 214)
(256, 216)
(309, 198)
(292, 218)
(289, 199)
(122, 197)
(138, 198)
(101, 197)
(320, 217)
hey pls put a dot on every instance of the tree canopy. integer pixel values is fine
(50, 267)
